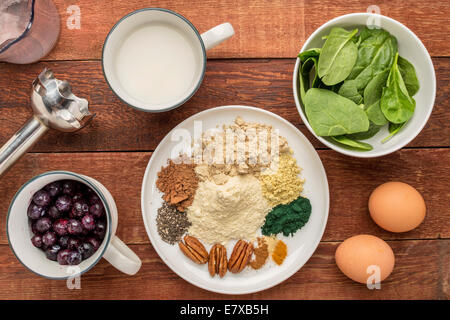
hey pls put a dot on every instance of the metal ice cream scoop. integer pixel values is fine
(54, 106)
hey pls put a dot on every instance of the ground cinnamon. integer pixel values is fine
(261, 253)
(178, 182)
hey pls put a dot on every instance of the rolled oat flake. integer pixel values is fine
(171, 223)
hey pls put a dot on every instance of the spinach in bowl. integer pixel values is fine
(356, 84)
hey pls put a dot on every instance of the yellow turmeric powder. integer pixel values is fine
(280, 252)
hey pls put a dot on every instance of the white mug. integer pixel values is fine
(154, 59)
(19, 232)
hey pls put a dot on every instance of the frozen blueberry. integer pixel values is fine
(64, 241)
(36, 240)
(73, 243)
(88, 222)
(33, 228)
(69, 187)
(42, 198)
(94, 198)
(52, 252)
(62, 256)
(60, 227)
(74, 227)
(54, 213)
(88, 190)
(86, 249)
(74, 258)
(68, 221)
(84, 233)
(100, 230)
(96, 209)
(49, 238)
(34, 211)
(79, 209)
(95, 242)
(63, 203)
(54, 188)
(42, 225)
(78, 197)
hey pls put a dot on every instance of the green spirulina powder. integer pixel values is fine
(287, 218)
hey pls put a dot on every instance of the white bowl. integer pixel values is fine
(410, 47)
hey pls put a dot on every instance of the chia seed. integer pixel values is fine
(171, 223)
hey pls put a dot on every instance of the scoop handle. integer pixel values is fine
(20, 143)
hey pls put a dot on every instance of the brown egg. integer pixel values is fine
(357, 257)
(397, 207)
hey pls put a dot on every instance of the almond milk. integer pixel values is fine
(157, 64)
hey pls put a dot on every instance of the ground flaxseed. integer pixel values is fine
(171, 223)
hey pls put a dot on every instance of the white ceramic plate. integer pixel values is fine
(300, 247)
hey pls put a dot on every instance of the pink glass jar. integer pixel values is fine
(29, 30)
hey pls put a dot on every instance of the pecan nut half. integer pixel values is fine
(240, 256)
(218, 263)
(194, 249)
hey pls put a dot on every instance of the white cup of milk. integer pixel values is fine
(155, 59)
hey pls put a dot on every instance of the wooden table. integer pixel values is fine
(253, 68)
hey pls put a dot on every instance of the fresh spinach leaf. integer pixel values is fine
(373, 130)
(357, 40)
(396, 104)
(336, 87)
(330, 114)
(349, 90)
(375, 54)
(308, 60)
(374, 89)
(338, 56)
(303, 84)
(307, 66)
(409, 76)
(314, 52)
(375, 115)
(394, 128)
(372, 97)
(353, 144)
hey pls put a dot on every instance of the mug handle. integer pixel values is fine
(122, 257)
(217, 35)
